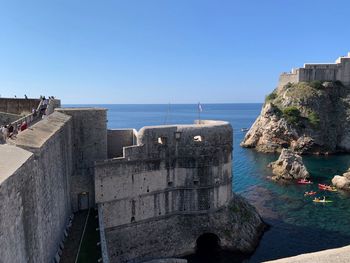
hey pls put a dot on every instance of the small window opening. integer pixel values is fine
(132, 219)
(170, 184)
(197, 138)
(161, 140)
(195, 182)
(177, 135)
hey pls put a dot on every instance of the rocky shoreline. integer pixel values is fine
(307, 118)
(342, 182)
(289, 166)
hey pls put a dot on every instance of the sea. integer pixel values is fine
(296, 224)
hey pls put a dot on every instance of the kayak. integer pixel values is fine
(310, 193)
(323, 186)
(304, 181)
(327, 187)
(332, 189)
(322, 201)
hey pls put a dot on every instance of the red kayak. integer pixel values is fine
(323, 186)
(304, 181)
(309, 193)
(327, 187)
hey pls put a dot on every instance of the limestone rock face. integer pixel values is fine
(342, 182)
(269, 132)
(304, 117)
(289, 166)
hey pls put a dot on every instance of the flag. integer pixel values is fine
(200, 107)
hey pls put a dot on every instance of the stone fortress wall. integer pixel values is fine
(35, 198)
(89, 144)
(172, 186)
(13, 109)
(338, 71)
(18, 106)
(157, 190)
(46, 174)
(6, 118)
(155, 171)
(118, 139)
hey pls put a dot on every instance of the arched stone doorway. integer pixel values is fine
(208, 247)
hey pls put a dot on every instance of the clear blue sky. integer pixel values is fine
(177, 51)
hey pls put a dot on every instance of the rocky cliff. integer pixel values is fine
(308, 118)
(342, 182)
(289, 166)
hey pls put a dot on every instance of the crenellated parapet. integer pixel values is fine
(187, 168)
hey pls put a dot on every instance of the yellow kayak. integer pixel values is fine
(322, 201)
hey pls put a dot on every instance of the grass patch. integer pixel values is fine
(271, 96)
(314, 119)
(316, 84)
(303, 90)
(292, 115)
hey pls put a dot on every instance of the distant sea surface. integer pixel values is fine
(297, 224)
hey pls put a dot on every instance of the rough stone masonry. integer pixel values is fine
(158, 191)
(169, 189)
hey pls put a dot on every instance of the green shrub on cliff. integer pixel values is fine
(276, 110)
(302, 91)
(314, 119)
(316, 84)
(292, 115)
(271, 96)
(288, 85)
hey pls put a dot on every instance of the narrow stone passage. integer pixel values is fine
(71, 244)
(89, 250)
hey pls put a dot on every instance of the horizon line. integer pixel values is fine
(162, 103)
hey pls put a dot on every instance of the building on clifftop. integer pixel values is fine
(338, 71)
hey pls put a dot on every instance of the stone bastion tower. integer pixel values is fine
(160, 192)
(169, 190)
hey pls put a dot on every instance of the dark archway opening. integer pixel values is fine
(209, 250)
(208, 247)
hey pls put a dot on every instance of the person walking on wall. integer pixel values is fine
(5, 131)
(11, 131)
(2, 137)
(23, 126)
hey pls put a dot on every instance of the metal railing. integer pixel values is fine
(33, 117)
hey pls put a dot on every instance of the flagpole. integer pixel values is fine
(199, 112)
(199, 116)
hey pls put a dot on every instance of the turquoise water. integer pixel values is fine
(297, 224)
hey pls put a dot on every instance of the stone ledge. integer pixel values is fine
(336, 255)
